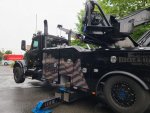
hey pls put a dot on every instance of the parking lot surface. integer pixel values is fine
(22, 98)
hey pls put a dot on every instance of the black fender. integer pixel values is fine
(20, 64)
(123, 73)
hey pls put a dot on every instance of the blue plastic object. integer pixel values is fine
(46, 110)
(38, 109)
(63, 89)
(43, 105)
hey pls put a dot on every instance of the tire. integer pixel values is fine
(18, 75)
(124, 95)
(5, 64)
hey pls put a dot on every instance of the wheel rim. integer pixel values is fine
(5, 64)
(123, 94)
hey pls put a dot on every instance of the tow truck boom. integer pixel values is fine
(137, 18)
(70, 33)
(103, 30)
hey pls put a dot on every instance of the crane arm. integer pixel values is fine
(137, 18)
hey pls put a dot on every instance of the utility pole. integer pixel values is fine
(36, 25)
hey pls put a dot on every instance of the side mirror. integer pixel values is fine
(23, 45)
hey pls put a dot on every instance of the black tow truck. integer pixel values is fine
(117, 69)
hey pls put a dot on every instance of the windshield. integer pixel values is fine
(35, 44)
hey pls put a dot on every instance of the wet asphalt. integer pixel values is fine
(22, 98)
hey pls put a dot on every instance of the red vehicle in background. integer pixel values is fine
(10, 58)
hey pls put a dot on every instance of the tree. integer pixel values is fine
(8, 52)
(1, 55)
(79, 24)
(120, 8)
(79, 30)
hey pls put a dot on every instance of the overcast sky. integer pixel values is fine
(18, 19)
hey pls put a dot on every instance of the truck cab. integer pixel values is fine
(33, 57)
(32, 65)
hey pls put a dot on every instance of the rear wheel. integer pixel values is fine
(18, 75)
(124, 95)
(5, 64)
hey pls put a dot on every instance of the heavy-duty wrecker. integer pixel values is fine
(118, 68)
